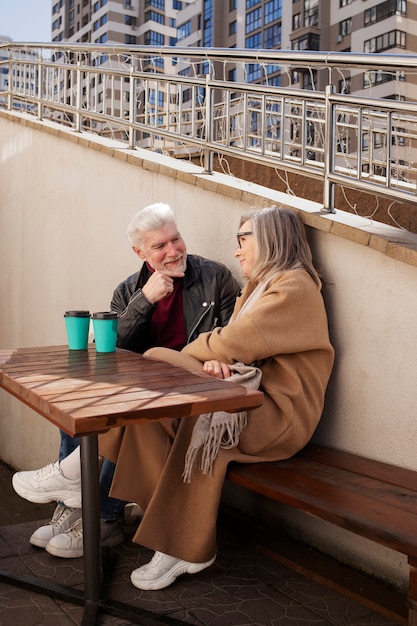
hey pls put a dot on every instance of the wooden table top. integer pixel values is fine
(84, 392)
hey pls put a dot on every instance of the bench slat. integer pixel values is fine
(353, 463)
(363, 506)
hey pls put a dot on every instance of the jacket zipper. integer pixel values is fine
(198, 322)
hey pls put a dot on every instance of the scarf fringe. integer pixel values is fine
(220, 429)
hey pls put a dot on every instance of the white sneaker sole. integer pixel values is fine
(183, 567)
(71, 499)
(63, 553)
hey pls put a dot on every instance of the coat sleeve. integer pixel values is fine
(288, 318)
(135, 314)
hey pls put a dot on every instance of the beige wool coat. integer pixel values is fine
(285, 334)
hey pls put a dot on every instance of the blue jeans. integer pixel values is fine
(111, 509)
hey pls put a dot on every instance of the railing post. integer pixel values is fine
(78, 117)
(132, 109)
(329, 152)
(9, 88)
(40, 87)
(208, 154)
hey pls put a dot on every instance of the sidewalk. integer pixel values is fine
(242, 588)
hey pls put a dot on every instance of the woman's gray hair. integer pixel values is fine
(280, 243)
(152, 217)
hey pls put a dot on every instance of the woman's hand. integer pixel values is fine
(217, 369)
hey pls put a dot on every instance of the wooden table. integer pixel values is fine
(85, 393)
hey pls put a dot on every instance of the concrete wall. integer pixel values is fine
(65, 201)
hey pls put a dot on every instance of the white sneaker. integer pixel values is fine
(163, 569)
(69, 544)
(62, 520)
(48, 484)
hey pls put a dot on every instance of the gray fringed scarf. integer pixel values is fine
(221, 429)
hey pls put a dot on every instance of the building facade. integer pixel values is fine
(360, 26)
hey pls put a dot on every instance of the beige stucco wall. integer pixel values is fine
(65, 201)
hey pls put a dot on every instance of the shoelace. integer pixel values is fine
(156, 559)
(76, 529)
(58, 513)
(46, 471)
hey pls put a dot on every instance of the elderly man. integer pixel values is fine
(172, 299)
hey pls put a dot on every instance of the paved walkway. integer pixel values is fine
(242, 588)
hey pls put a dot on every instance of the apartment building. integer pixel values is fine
(360, 26)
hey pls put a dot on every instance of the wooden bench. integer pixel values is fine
(372, 499)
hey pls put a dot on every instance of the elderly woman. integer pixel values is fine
(280, 326)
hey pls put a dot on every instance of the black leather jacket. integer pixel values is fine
(210, 292)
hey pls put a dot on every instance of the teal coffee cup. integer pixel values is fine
(105, 330)
(78, 325)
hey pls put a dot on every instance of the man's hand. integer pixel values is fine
(160, 285)
(218, 369)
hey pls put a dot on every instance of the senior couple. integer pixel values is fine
(187, 310)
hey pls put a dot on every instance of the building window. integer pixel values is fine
(345, 27)
(275, 81)
(379, 140)
(130, 40)
(153, 16)
(252, 3)
(153, 39)
(378, 77)
(311, 12)
(253, 20)
(177, 5)
(310, 79)
(307, 42)
(97, 5)
(385, 9)
(386, 41)
(233, 28)
(130, 20)
(343, 3)
(155, 61)
(344, 85)
(272, 11)
(296, 21)
(232, 5)
(156, 4)
(231, 76)
(272, 36)
(186, 95)
(184, 30)
(253, 72)
(153, 98)
(254, 41)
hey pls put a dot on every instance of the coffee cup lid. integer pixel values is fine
(77, 314)
(105, 315)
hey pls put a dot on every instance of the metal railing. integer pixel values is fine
(182, 102)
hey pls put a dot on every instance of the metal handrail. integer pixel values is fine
(356, 141)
